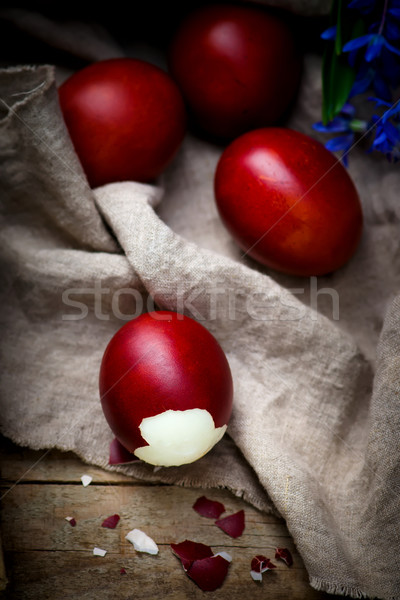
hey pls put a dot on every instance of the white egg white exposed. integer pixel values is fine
(177, 437)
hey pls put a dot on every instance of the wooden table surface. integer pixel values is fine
(46, 558)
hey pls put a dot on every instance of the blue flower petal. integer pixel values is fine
(379, 102)
(374, 47)
(348, 109)
(380, 141)
(330, 33)
(358, 42)
(392, 48)
(362, 85)
(395, 12)
(392, 133)
(337, 125)
(352, 57)
(380, 138)
(342, 142)
(319, 126)
(393, 111)
(387, 139)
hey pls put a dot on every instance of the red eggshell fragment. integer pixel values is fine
(233, 525)
(119, 455)
(285, 555)
(260, 563)
(189, 551)
(111, 522)
(208, 508)
(209, 573)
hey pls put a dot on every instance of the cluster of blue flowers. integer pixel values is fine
(375, 60)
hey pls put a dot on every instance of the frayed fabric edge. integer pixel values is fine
(341, 589)
(336, 588)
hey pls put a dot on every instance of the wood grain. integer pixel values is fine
(46, 558)
(49, 466)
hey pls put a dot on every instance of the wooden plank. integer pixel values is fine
(47, 558)
(26, 465)
(165, 513)
(53, 576)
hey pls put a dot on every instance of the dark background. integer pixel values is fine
(144, 22)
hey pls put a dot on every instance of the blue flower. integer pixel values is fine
(363, 80)
(374, 42)
(337, 125)
(387, 140)
(342, 142)
(363, 40)
(393, 110)
(344, 123)
(375, 59)
(330, 33)
(387, 129)
(374, 47)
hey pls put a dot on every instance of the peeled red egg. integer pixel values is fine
(166, 388)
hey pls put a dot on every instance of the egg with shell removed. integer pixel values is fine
(166, 388)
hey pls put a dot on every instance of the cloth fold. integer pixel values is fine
(306, 431)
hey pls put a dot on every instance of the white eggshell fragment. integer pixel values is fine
(86, 479)
(224, 555)
(142, 542)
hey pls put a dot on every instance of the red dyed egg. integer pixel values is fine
(237, 67)
(166, 388)
(288, 202)
(126, 119)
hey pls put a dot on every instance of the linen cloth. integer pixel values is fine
(315, 426)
